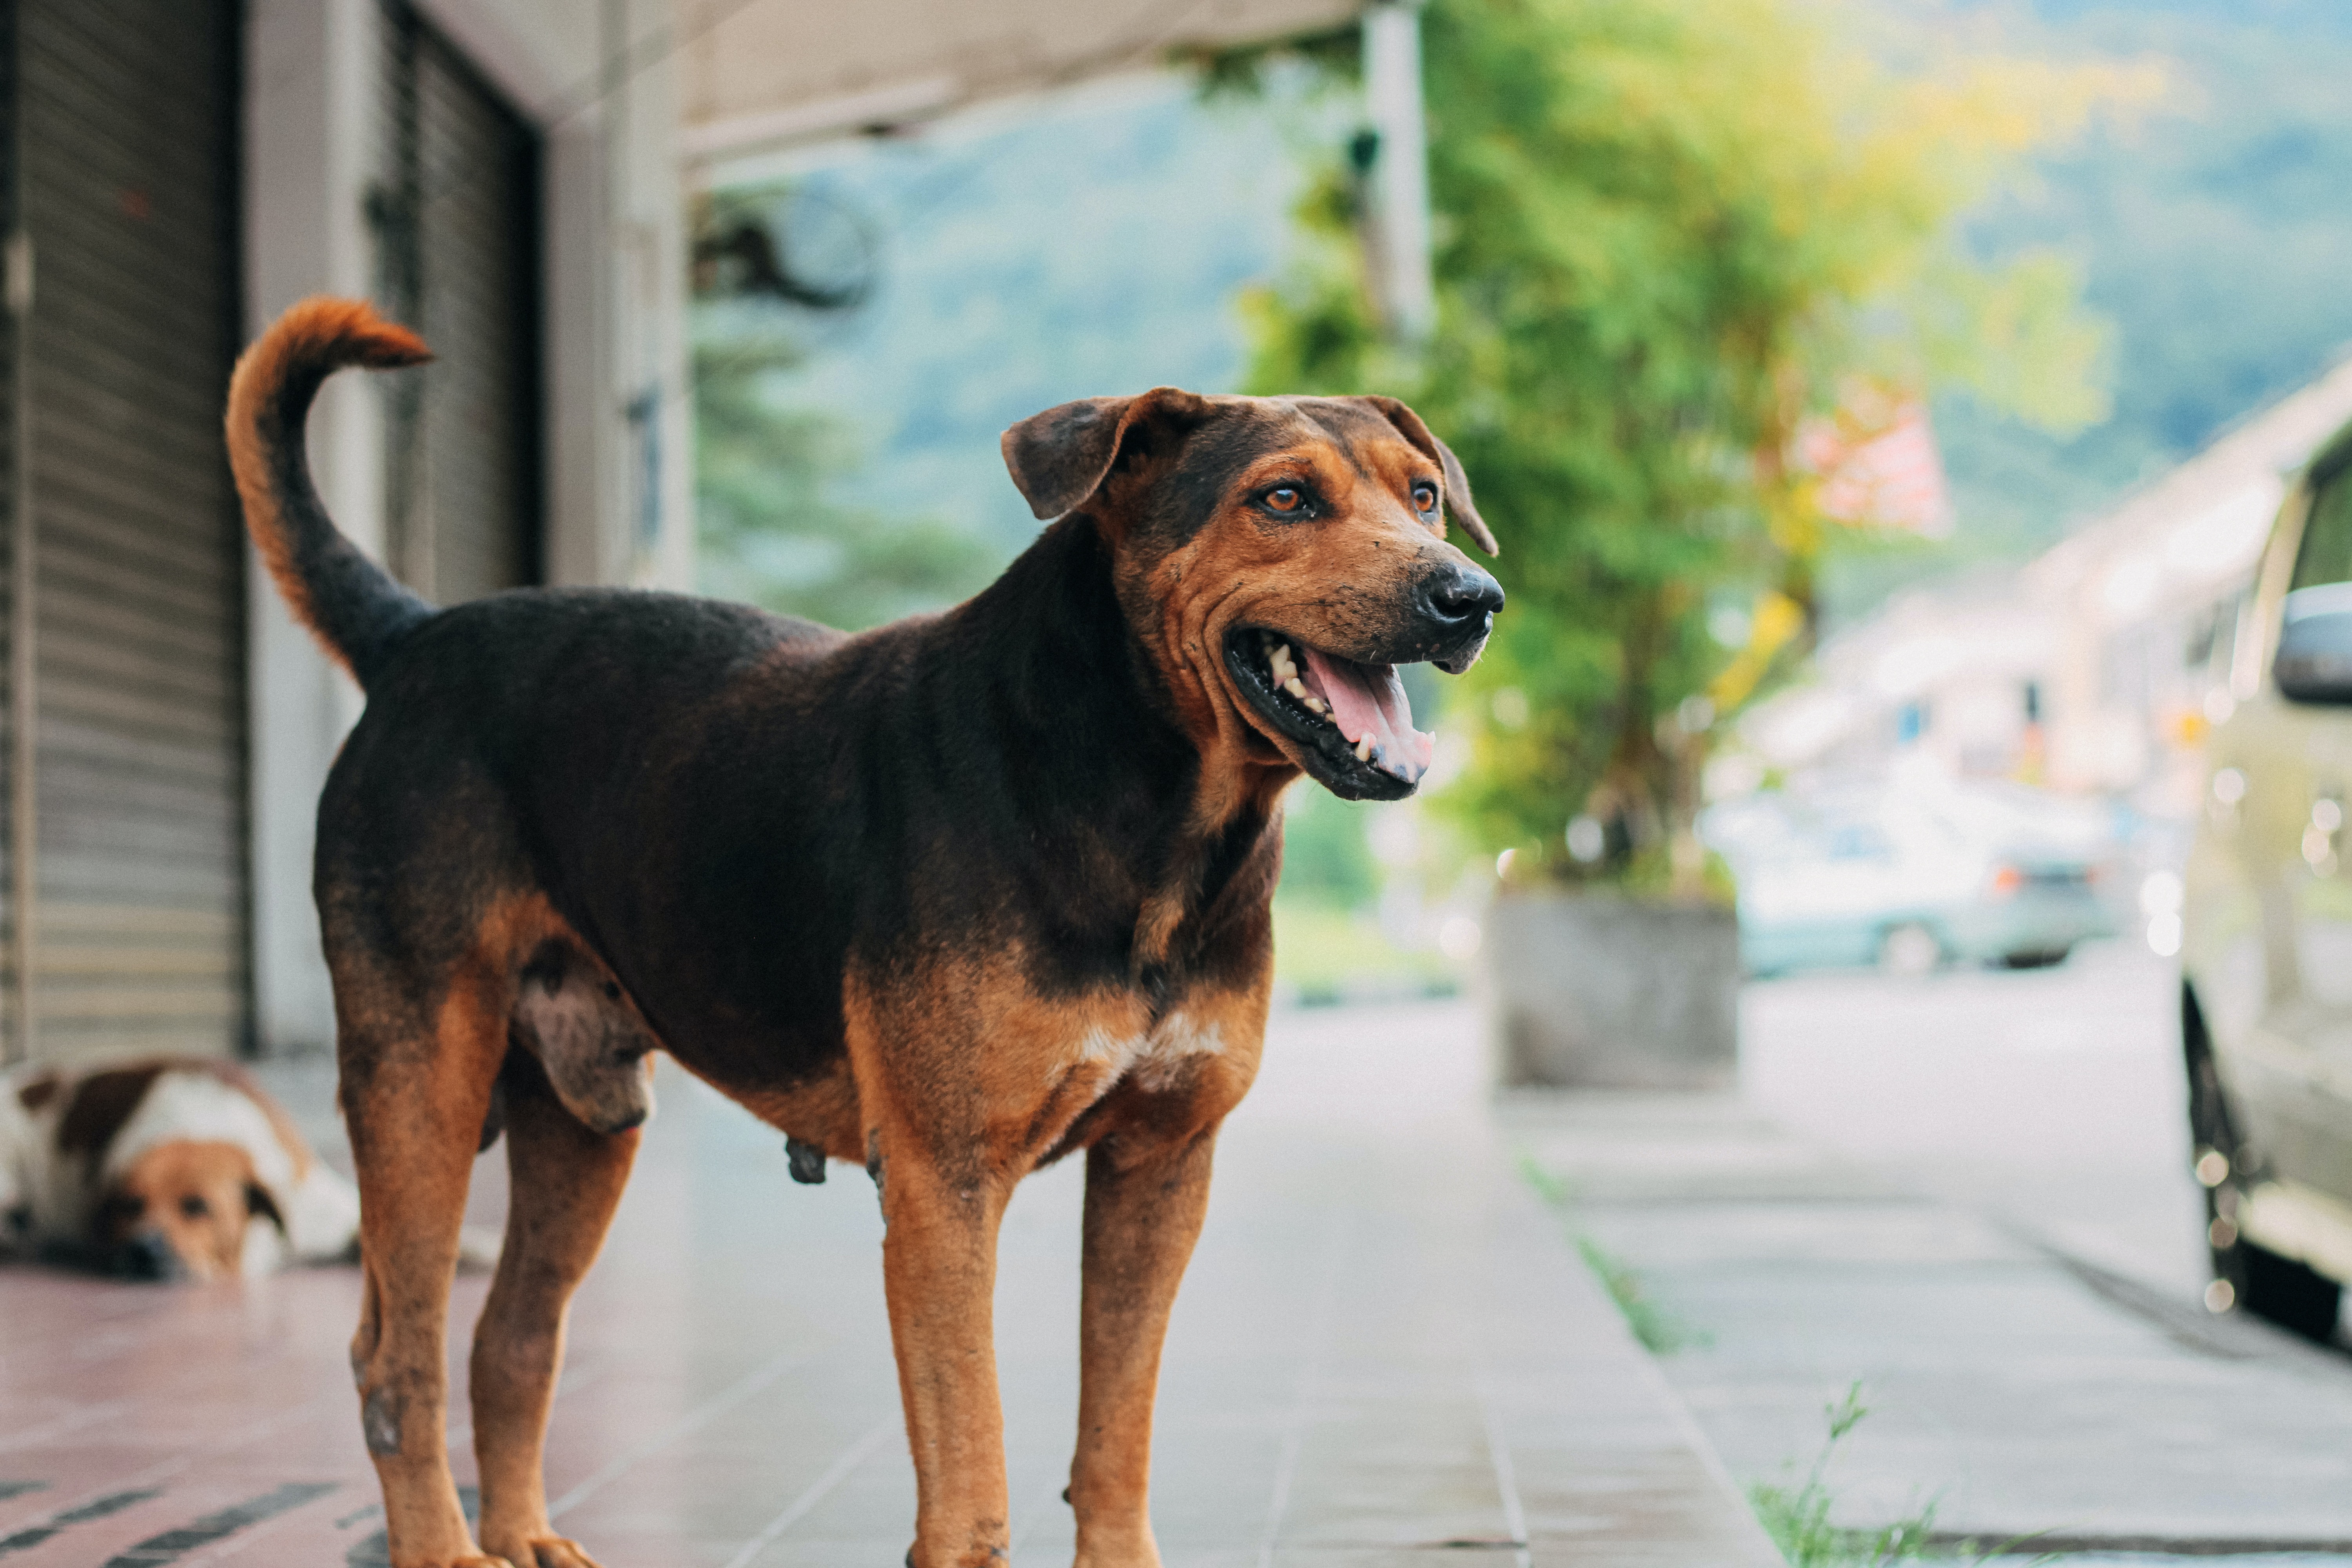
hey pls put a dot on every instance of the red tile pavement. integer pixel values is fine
(1381, 1348)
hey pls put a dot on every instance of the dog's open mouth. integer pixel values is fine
(1353, 719)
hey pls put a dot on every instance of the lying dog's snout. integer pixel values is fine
(1457, 603)
(147, 1255)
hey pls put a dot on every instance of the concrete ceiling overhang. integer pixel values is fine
(761, 74)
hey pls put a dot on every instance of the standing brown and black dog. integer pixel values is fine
(949, 899)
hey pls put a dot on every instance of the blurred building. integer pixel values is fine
(2154, 638)
(1951, 674)
(2097, 666)
(771, 73)
(509, 175)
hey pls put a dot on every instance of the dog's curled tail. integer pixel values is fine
(351, 605)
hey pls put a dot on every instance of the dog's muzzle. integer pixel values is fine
(148, 1256)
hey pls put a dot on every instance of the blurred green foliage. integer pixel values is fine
(772, 527)
(1325, 857)
(1327, 938)
(1324, 953)
(1668, 231)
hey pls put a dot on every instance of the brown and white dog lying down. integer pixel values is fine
(170, 1168)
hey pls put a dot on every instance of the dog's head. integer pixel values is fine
(1278, 557)
(183, 1210)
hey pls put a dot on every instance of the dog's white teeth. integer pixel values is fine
(1287, 677)
(1364, 750)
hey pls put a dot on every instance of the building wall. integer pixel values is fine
(615, 372)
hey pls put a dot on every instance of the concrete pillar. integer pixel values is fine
(620, 480)
(1400, 171)
(309, 92)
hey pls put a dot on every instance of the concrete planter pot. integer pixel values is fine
(1599, 991)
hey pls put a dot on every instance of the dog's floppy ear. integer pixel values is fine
(258, 1201)
(1059, 457)
(1457, 483)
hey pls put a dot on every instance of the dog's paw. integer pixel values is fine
(547, 1553)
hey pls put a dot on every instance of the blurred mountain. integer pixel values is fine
(2214, 236)
(1091, 243)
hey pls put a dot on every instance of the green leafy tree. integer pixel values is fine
(772, 529)
(1670, 231)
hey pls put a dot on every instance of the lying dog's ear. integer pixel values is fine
(1457, 483)
(261, 1205)
(1061, 456)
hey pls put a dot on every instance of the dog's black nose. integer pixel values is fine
(147, 1255)
(1459, 597)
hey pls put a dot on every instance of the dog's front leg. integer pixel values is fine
(938, 1267)
(1145, 1202)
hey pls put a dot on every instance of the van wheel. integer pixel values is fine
(2246, 1274)
(1909, 949)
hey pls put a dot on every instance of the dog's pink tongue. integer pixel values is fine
(1369, 699)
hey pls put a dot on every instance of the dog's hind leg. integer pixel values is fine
(567, 1182)
(415, 1096)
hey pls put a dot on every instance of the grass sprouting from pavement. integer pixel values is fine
(1660, 1331)
(1798, 1517)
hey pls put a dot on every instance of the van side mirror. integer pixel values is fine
(2314, 651)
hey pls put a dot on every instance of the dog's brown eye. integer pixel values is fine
(194, 1207)
(1424, 497)
(1285, 497)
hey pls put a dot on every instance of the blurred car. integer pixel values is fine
(1911, 878)
(2266, 931)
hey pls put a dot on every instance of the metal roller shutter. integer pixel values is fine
(16, 1035)
(125, 130)
(458, 225)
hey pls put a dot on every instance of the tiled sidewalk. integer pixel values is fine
(1384, 1355)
